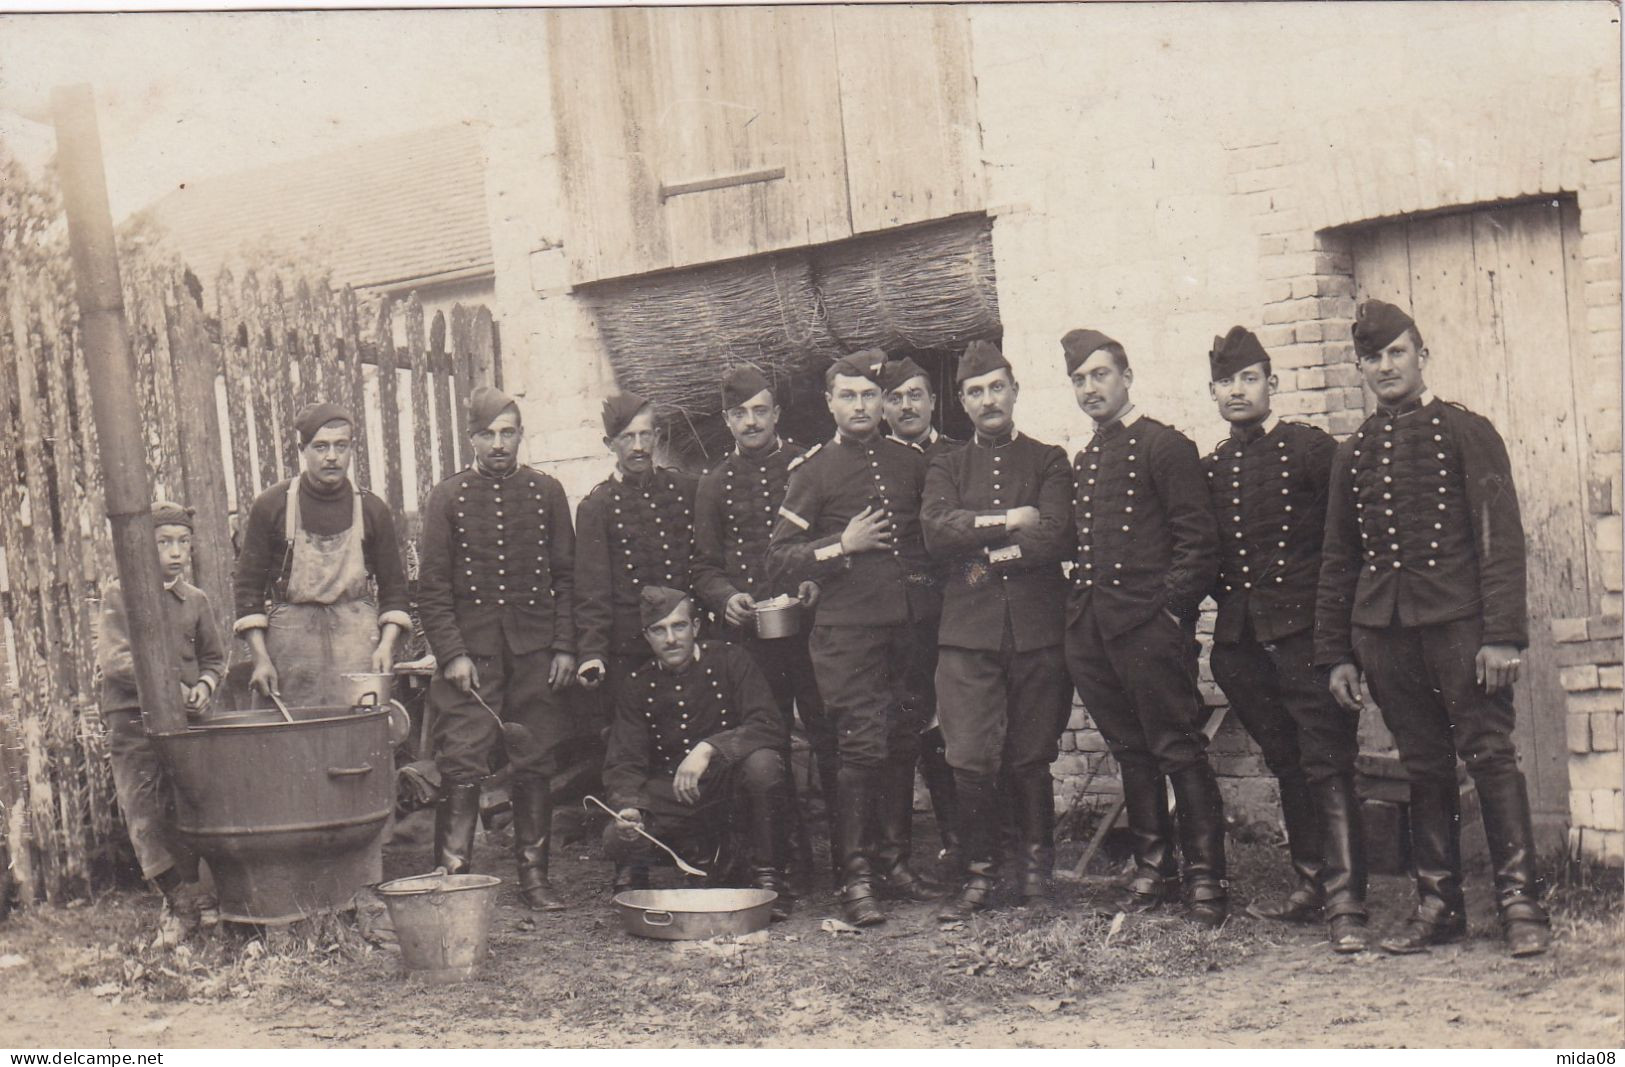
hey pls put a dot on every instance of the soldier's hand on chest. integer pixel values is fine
(1022, 518)
(867, 531)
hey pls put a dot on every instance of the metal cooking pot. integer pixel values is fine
(365, 688)
(694, 914)
(779, 617)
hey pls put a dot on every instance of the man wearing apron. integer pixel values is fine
(320, 588)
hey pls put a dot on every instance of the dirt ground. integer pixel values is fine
(1056, 976)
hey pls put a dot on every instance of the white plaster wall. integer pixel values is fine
(1105, 130)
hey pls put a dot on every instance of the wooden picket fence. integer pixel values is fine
(220, 376)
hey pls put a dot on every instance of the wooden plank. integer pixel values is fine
(262, 376)
(1579, 349)
(742, 89)
(287, 397)
(389, 407)
(77, 656)
(235, 375)
(194, 361)
(324, 324)
(1523, 292)
(166, 469)
(302, 330)
(422, 439)
(915, 161)
(461, 377)
(482, 353)
(349, 327)
(1445, 304)
(605, 110)
(440, 379)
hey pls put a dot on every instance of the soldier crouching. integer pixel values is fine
(696, 753)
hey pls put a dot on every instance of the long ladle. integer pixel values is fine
(682, 864)
(520, 743)
(283, 708)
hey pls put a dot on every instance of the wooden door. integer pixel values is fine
(1491, 294)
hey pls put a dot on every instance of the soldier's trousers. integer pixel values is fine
(515, 686)
(787, 665)
(868, 676)
(1277, 693)
(1140, 689)
(1002, 710)
(145, 799)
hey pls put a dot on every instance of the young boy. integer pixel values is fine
(138, 774)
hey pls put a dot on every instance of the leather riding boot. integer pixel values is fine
(894, 824)
(1504, 800)
(532, 831)
(454, 820)
(856, 790)
(1435, 825)
(1304, 844)
(978, 799)
(1201, 842)
(1035, 817)
(939, 782)
(769, 847)
(1343, 878)
(1151, 829)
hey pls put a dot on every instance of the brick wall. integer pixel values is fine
(1589, 657)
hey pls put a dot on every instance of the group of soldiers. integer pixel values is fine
(954, 595)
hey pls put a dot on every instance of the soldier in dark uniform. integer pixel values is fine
(696, 738)
(496, 600)
(850, 522)
(635, 528)
(998, 512)
(1268, 483)
(909, 402)
(1422, 587)
(1147, 554)
(735, 511)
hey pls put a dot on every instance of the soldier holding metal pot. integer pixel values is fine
(735, 510)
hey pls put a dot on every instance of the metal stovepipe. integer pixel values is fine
(113, 393)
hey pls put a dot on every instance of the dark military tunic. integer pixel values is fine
(720, 698)
(1422, 527)
(735, 511)
(1003, 696)
(1147, 539)
(631, 534)
(874, 631)
(497, 565)
(1148, 551)
(1268, 485)
(496, 578)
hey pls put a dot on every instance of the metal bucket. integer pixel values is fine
(777, 618)
(442, 921)
(366, 688)
(694, 914)
(290, 815)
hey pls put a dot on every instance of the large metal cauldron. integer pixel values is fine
(290, 815)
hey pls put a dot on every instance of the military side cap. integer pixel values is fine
(898, 371)
(485, 404)
(1079, 345)
(1236, 350)
(742, 383)
(620, 410)
(869, 363)
(655, 602)
(169, 513)
(313, 417)
(981, 357)
(1376, 324)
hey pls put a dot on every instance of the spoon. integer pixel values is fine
(283, 708)
(521, 744)
(682, 864)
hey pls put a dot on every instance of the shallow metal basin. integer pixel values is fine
(694, 914)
